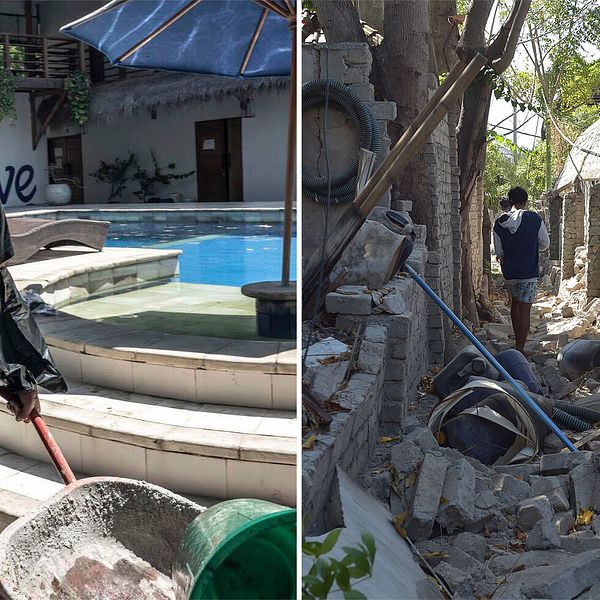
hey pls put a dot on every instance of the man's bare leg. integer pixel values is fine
(515, 314)
(522, 331)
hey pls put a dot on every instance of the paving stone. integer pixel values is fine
(562, 462)
(428, 492)
(524, 471)
(458, 581)
(406, 456)
(473, 544)
(459, 493)
(554, 488)
(532, 510)
(348, 304)
(543, 536)
(584, 487)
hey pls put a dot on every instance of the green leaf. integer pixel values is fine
(342, 577)
(354, 595)
(369, 542)
(498, 93)
(330, 541)
(311, 548)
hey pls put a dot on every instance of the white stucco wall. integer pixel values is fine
(17, 159)
(172, 136)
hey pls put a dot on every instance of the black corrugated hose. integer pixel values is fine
(343, 185)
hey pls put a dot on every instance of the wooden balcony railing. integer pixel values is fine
(55, 58)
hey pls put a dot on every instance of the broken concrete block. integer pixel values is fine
(327, 378)
(392, 304)
(532, 510)
(459, 495)
(543, 536)
(371, 257)
(348, 304)
(422, 437)
(511, 561)
(486, 500)
(552, 444)
(509, 489)
(406, 456)
(592, 594)
(428, 492)
(554, 380)
(554, 488)
(584, 490)
(562, 462)
(524, 471)
(457, 580)
(371, 357)
(575, 575)
(563, 522)
(580, 541)
(473, 544)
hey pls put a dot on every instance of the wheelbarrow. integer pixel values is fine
(105, 538)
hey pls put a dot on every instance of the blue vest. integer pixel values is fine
(521, 254)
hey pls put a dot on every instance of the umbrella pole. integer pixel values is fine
(291, 151)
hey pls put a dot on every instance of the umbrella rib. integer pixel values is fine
(255, 36)
(272, 6)
(158, 30)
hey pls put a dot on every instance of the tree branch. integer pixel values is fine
(513, 38)
(339, 20)
(473, 37)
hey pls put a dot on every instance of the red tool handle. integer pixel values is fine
(60, 462)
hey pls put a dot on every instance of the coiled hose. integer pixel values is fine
(343, 185)
(583, 412)
(564, 419)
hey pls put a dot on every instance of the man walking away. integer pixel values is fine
(519, 236)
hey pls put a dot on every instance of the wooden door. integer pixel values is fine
(65, 154)
(219, 160)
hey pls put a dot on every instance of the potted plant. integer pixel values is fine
(58, 192)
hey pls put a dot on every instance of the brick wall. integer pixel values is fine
(573, 215)
(593, 241)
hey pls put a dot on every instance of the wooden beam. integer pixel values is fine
(405, 150)
(59, 102)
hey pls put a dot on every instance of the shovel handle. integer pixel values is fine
(51, 446)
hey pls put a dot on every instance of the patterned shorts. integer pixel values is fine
(523, 291)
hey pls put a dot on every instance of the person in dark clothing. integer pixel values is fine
(519, 236)
(25, 361)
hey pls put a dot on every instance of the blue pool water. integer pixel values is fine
(231, 254)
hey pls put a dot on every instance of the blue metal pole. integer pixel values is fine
(521, 393)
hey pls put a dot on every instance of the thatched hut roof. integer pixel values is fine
(583, 160)
(139, 94)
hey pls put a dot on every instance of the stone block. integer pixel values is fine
(509, 489)
(459, 493)
(532, 510)
(371, 357)
(562, 462)
(473, 544)
(348, 304)
(428, 492)
(580, 541)
(423, 438)
(555, 489)
(543, 536)
(563, 522)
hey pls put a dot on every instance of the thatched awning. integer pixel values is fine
(583, 161)
(142, 93)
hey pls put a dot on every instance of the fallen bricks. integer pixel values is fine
(501, 532)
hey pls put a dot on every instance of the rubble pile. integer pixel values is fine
(498, 532)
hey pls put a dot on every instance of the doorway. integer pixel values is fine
(219, 160)
(66, 156)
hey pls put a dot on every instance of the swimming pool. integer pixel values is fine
(230, 254)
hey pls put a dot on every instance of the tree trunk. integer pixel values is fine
(339, 20)
(402, 65)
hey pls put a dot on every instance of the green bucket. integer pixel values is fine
(238, 550)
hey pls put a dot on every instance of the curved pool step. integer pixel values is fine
(190, 448)
(258, 374)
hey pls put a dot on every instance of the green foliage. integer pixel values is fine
(508, 165)
(357, 563)
(78, 88)
(116, 174)
(148, 182)
(8, 108)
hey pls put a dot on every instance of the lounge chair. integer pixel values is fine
(29, 235)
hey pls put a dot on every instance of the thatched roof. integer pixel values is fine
(139, 94)
(583, 160)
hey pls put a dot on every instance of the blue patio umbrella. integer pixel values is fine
(233, 38)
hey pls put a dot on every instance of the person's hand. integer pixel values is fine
(23, 403)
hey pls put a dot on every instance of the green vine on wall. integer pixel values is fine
(8, 109)
(78, 88)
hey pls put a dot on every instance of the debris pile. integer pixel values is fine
(497, 532)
